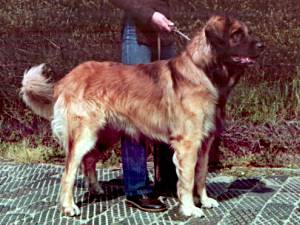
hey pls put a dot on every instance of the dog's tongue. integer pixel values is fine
(243, 59)
(246, 60)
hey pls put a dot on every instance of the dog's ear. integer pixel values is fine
(214, 36)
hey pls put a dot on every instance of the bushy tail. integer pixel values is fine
(37, 92)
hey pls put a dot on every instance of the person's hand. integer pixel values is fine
(161, 22)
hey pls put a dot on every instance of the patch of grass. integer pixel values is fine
(112, 159)
(261, 159)
(269, 144)
(231, 159)
(266, 101)
(243, 172)
(23, 152)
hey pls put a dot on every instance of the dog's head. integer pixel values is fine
(232, 41)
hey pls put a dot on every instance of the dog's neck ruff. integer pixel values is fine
(201, 51)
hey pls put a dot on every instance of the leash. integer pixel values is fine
(158, 47)
(176, 31)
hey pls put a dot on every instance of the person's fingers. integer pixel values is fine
(167, 24)
(160, 21)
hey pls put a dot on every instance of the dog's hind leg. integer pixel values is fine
(89, 170)
(108, 137)
(185, 158)
(81, 139)
(201, 173)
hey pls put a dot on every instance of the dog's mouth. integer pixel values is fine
(243, 59)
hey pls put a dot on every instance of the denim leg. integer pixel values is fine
(135, 172)
(132, 52)
(134, 156)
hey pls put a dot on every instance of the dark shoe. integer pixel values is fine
(146, 203)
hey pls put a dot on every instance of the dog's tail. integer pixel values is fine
(37, 92)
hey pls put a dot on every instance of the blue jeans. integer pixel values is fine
(134, 158)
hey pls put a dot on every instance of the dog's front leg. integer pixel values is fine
(201, 173)
(185, 158)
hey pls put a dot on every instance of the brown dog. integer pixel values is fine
(224, 75)
(173, 101)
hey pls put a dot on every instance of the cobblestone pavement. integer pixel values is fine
(29, 195)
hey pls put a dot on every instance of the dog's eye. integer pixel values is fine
(237, 35)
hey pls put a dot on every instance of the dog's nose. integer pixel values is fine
(259, 45)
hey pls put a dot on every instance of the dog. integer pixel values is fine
(172, 101)
(224, 75)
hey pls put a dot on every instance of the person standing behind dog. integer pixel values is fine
(143, 22)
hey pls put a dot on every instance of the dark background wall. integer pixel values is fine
(64, 33)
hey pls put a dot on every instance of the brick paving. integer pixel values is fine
(29, 195)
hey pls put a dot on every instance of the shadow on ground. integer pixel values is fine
(29, 195)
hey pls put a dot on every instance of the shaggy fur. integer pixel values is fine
(173, 101)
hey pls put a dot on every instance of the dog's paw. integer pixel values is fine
(191, 211)
(209, 203)
(71, 210)
(96, 189)
(93, 187)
